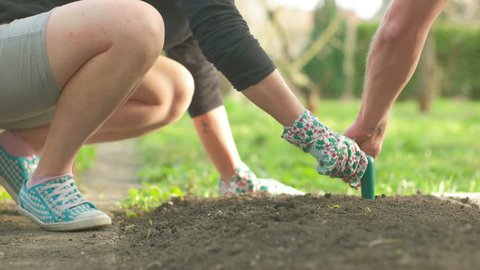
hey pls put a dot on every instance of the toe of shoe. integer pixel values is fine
(94, 215)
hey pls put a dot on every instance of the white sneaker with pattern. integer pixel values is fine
(57, 205)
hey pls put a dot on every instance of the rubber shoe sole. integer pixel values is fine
(86, 221)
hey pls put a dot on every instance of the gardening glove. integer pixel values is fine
(244, 181)
(337, 155)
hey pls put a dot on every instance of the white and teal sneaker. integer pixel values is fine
(15, 171)
(245, 181)
(57, 205)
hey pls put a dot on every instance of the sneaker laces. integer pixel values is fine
(64, 195)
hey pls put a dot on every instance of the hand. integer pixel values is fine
(369, 140)
(337, 155)
(244, 181)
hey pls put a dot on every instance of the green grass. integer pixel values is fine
(4, 195)
(85, 159)
(426, 153)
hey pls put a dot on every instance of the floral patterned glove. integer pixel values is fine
(337, 155)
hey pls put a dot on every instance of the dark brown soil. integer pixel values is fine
(310, 232)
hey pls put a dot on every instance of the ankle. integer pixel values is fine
(39, 179)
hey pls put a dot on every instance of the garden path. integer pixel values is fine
(24, 245)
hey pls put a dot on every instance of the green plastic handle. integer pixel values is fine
(368, 181)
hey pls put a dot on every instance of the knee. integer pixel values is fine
(182, 87)
(138, 31)
(171, 87)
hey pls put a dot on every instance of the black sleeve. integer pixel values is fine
(225, 39)
(207, 85)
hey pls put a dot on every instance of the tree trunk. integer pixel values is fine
(349, 55)
(313, 98)
(428, 76)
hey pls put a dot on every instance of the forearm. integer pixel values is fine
(393, 57)
(215, 134)
(274, 96)
(226, 41)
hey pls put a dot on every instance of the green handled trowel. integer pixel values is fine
(368, 181)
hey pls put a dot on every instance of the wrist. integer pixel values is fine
(372, 128)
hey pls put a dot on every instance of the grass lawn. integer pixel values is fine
(428, 153)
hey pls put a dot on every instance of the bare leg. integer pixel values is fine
(99, 52)
(162, 98)
(392, 60)
(96, 77)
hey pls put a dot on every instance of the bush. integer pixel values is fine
(458, 53)
(326, 69)
(458, 56)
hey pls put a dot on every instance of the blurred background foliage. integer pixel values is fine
(337, 68)
(427, 153)
(432, 143)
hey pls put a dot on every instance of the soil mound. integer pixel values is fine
(306, 232)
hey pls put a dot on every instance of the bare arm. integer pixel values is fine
(214, 131)
(274, 97)
(392, 60)
(226, 41)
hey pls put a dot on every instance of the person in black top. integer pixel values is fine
(207, 111)
(219, 31)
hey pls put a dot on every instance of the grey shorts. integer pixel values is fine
(28, 90)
